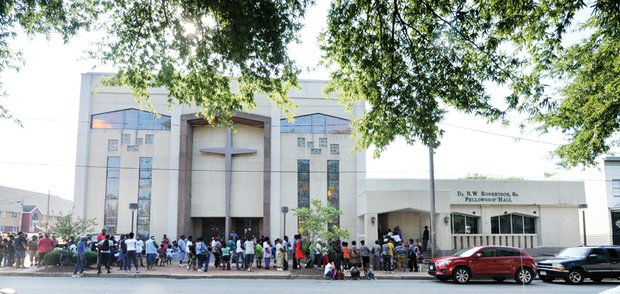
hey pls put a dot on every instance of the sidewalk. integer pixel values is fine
(176, 272)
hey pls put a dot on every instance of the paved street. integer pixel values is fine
(156, 286)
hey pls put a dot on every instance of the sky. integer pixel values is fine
(44, 95)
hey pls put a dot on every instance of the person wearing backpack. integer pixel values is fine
(104, 253)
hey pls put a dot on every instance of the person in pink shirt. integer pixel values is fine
(46, 245)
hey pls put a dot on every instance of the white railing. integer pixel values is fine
(460, 241)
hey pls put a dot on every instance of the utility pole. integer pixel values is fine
(47, 222)
(432, 195)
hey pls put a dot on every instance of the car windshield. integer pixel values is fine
(467, 252)
(573, 252)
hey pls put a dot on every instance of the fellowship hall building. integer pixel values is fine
(188, 177)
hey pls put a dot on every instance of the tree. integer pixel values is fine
(66, 226)
(476, 176)
(411, 61)
(315, 221)
(194, 49)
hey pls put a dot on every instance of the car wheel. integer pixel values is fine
(524, 275)
(461, 275)
(442, 278)
(597, 280)
(575, 277)
(547, 279)
(499, 279)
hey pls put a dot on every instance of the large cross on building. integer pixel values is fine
(228, 151)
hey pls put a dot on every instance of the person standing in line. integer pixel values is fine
(286, 246)
(299, 252)
(225, 257)
(365, 253)
(239, 255)
(249, 253)
(318, 253)
(46, 245)
(122, 252)
(20, 250)
(217, 251)
(139, 249)
(280, 253)
(201, 250)
(78, 270)
(346, 255)
(182, 249)
(387, 256)
(151, 252)
(131, 254)
(104, 253)
(267, 253)
(425, 237)
(413, 256)
(258, 252)
(33, 243)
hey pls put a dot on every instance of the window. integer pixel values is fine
(130, 119)
(334, 149)
(333, 187)
(322, 142)
(315, 151)
(615, 184)
(488, 252)
(464, 224)
(112, 145)
(316, 124)
(600, 255)
(14, 214)
(139, 141)
(513, 224)
(301, 142)
(310, 144)
(303, 183)
(133, 148)
(110, 214)
(149, 138)
(125, 138)
(507, 252)
(1, 214)
(145, 180)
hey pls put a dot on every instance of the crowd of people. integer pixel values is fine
(129, 253)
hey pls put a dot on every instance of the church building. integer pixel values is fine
(173, 173)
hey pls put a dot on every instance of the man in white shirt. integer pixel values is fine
(249, 253)
(131, 254)
(139, 249)
(239, 255)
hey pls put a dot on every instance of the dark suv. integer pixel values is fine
(574, 264)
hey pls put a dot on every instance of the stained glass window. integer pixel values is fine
(333, 186)
(130, 119)
(110, 217)
(145, 175)
(303, 183)
(316, 124)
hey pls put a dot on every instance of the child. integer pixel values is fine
(162, 254)
(267, 255)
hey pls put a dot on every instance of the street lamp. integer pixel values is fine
(583, 208)
(284, 211)
(133, 207)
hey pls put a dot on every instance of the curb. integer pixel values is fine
(206, 276)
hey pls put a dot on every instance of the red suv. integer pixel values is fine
(497, 262)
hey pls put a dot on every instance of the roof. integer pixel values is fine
(12, 199)
(28, 208)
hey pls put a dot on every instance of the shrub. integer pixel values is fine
(53, 257)
(91, 258)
